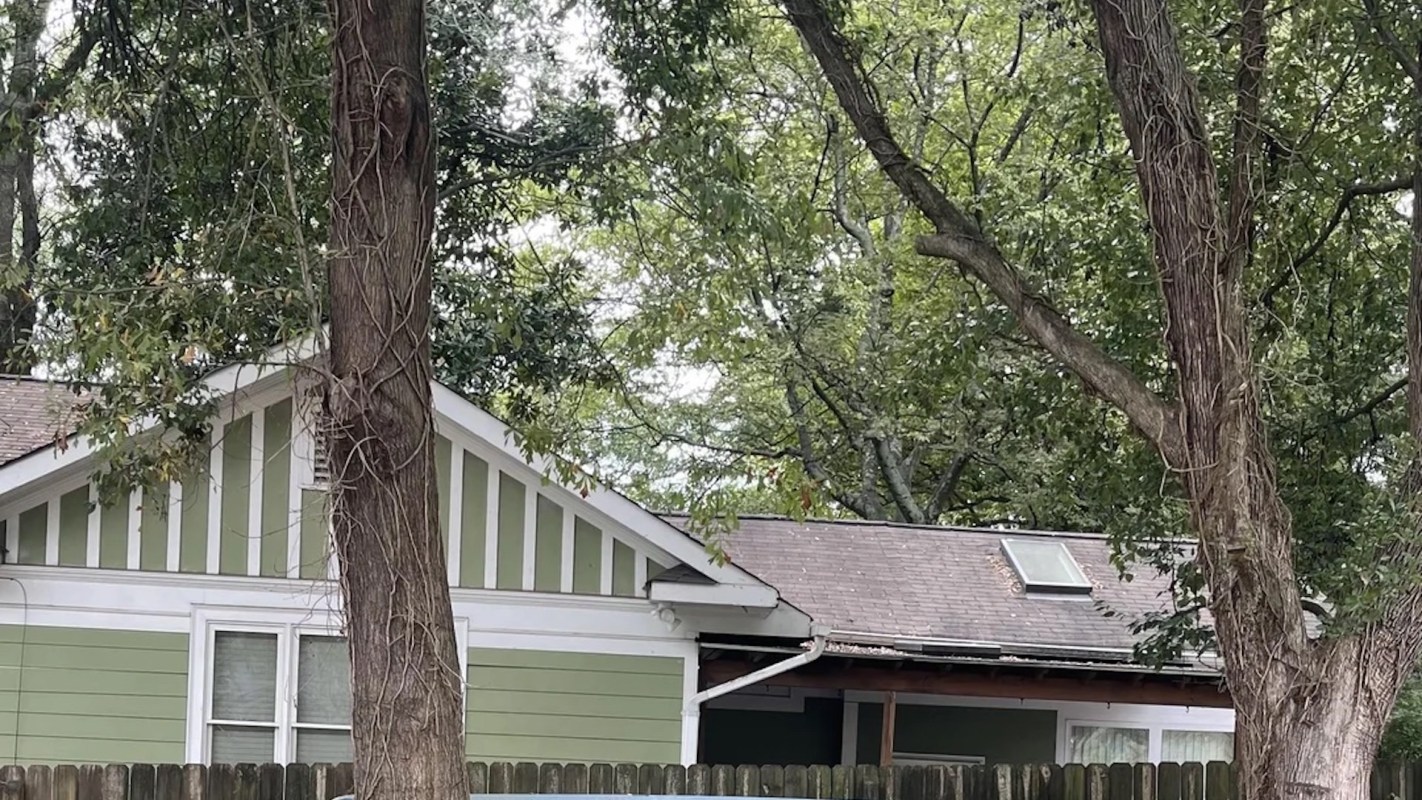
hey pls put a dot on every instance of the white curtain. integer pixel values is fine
(1201, 746)
(1092, 744)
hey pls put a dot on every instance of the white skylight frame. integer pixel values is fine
(1077, 584)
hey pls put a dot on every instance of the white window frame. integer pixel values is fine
(1155, 732)
(288, 625)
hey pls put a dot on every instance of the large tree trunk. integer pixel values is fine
(407, 724)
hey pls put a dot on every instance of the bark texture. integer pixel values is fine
(407, 725)
(1296, 699)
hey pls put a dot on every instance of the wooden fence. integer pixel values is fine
(1214, 781)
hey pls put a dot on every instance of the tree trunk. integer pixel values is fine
(407, 723)
(17, 166)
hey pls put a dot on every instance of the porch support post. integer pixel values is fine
(886, 736)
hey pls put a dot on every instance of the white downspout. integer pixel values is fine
(691, 712)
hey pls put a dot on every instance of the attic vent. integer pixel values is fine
(1045, 566)
(320, 452)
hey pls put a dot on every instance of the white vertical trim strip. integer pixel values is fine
(690, 722)
(530, 534)
(135, 521)
(257, 464)
(12, 539)
(333, 564)
(565, 578)
(491, 530)
(605, 584)
(175, 523)
(214, 497)
(293, 496)
(90, 532)
(51, 529)
(455, 549)
(639, 575)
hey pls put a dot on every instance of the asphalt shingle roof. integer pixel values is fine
(33, 413)
(938, 583)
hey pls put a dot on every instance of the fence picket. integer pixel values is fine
(167, 782)
(66, 782)
(12, 783)
(698, 779)
(550, 779)
(651, 779)
(674, 779)
(39, 783)
(91, 782)
(575, 778)
(525, 778)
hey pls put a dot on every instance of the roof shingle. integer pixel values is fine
(34, 413)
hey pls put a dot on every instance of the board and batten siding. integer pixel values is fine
(254, 508)
(80, 695)
(535, 705)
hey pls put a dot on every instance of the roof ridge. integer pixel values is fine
(917, 526)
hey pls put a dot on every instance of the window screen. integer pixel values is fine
(244, 697)
(1092, 744)
(1201, 746)
(1045, 565)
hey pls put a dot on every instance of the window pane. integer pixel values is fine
(234, 745)
(1102, 745)
(244, 667)
(323, 681)
(1202, 746)
(1045, 562)
(323, 747)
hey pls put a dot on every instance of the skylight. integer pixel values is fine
(1045, 566)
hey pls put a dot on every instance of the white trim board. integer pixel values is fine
(124, 600)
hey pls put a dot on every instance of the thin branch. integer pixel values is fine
(948, 485)
(1266, 298)
(1373, 404)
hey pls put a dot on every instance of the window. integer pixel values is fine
(1134, 743)
(1100, 744)
(1201, 746)
(278, 694)
(1045, 566)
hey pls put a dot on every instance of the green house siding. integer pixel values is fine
(532, 705)
(510, 524)
(236, 488)
(998, 735)
(74, 527)
(72, 695)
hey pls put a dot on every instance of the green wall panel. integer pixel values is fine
(74, 527)
(153, 530)
(113, 535)
(474, 507)
(528, 705)
(92, 696)
(31, 535)
(314, 534)
(236, 491)
(510, 570)
(548, 547)
(998, 735)
(192, 539)
(624, 565)
(587, 557)
(276, 488)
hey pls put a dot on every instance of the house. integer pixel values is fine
(199, 622)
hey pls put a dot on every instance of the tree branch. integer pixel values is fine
(1373, 404)
(959, 238)
(1266, 298)
(948, 485)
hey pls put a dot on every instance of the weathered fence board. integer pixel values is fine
(1214, 781)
